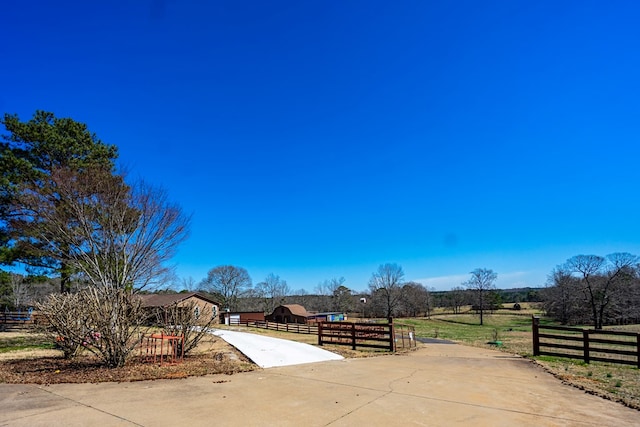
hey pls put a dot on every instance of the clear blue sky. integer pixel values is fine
(318, 139)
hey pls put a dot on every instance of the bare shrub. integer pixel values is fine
(65, 322)
(105, 321)
(116, 238)
(189, 320)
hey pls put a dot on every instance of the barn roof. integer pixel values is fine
(165, 300)
(297, 309)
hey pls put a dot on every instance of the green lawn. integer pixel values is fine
(15, 342)
(512, 330)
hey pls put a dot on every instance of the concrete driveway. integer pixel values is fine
(437, 385)
(268, 352)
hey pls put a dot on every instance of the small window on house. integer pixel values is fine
(196, 312)
(214, 311)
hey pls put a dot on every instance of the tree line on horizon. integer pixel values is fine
(595, 290)
(585, 290)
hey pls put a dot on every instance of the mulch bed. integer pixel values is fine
(87, 369)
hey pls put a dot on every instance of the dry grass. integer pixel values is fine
(614, 382)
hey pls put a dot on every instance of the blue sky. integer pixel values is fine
(321, 139)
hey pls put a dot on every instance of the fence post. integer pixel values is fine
(585, 339)
(319, 333)
(353, 336)
(392, 336)
(536, 336)
(638, 350)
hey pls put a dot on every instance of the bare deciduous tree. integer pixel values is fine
(416, 300)
(229, 282)
(117, 238)
(272, 292)
(456, 298)
(602, 279)
(562, 300)
(189, 284)
(112, 233)
(482, 281)
(335, 295)
(20, 290)
(386, 287)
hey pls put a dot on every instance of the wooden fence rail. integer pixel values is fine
(297, 328)
(386, 336)
(586, 344)
(20, 319)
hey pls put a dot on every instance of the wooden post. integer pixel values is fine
(536, 336)
(392, 336)
(353, 336)
(585, 339)
(320, 333)
(638, 350)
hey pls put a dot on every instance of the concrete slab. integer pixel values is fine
(268, 352)
(437, 385)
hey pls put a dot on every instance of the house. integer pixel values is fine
(289, 313)
(160, 305)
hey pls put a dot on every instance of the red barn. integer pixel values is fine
(289, 313)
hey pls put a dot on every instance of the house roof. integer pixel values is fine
(297, 309)
(165, 300)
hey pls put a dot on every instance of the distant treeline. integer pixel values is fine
(413, 299)
(596, 290)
